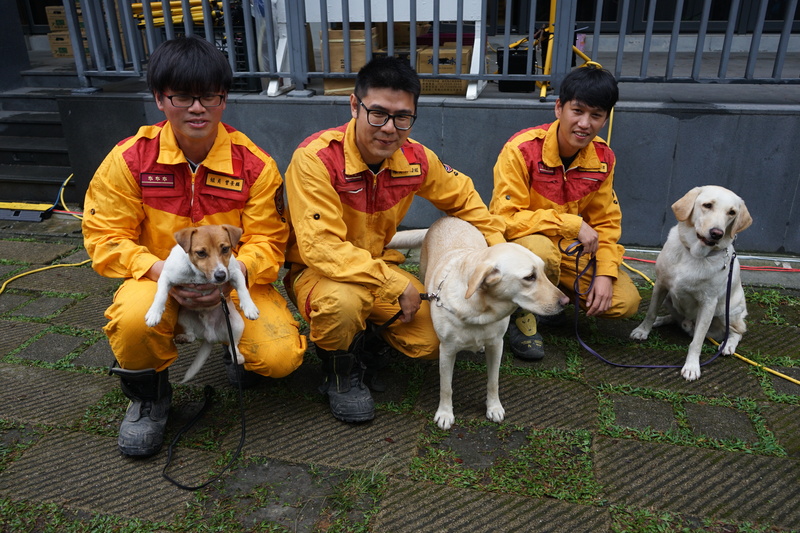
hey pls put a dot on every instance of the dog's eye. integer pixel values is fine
(201, 254)
(532, 277)
(226, 249)
(708, 205)
(732, 212)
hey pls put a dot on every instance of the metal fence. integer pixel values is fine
(282, 45)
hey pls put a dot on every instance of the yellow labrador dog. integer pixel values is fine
(692, 273)
(473, 290)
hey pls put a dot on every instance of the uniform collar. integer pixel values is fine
(218, 158)
(354, 164)
(586, 158)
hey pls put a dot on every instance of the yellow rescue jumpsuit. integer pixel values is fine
(543, 203)
(142, 193)
(343, 215)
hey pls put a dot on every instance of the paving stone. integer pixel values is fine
(43, 307)
(298, 430)
(784, 422)
(784, 386)
(35, 253)
(411, 507)
(699, 482)
(79, 280)
(12, 301)
(14, 333)
(720, 422)
(87, 313)
(87, 473)
(528, 401)
(45, 396)
(643, 413)
(296, 494)
(50, 348)
(480, 448)
(98, 354)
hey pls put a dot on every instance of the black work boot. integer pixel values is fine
(526, 342)
(236, 373)
(141, 433)
(349, 398)
(373, 352)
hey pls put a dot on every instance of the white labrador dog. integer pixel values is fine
(473, 290)
(692, 273)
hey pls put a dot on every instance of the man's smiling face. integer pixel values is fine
(579, 125)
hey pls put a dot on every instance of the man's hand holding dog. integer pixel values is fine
(409, 303)
(193, 296)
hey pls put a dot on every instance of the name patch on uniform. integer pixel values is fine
(157, 180)
(603, 168)
(544, 169)
(415, 170)
(228, 183)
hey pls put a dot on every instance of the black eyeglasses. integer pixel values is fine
(185, 100)
(377, 118)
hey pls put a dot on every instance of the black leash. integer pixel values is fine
(576, 249)
(208, 394)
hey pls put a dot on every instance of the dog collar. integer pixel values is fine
(434, 296)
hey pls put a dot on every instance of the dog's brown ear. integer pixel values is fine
(184, 238)
(683, 207)
(234, 233)
(485, 274)
(742, 220)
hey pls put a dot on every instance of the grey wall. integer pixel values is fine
(663, 150)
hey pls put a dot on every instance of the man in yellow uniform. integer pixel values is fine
(348, 188)
(553, 185)
(189, 170)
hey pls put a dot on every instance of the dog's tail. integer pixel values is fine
(410, 238)
(202, 354)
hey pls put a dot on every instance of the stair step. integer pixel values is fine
(47, 151)
(32, 99)
(20, 183)
(30, 124)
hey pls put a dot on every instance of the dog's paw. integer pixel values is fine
(495, 413)
(688, 326)
(153, 317)
(639, 334)
(690, 372)
(183, 338)
(444, 418)
(250, 311)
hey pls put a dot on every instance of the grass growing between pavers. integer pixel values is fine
(626, 520)
(683, 435)
(511, 459)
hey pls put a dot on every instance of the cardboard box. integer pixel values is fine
(338, 86)
(61, 44)
(56, 18)
(358, 49)
(402, 33)
(403, 53)
(447, 65)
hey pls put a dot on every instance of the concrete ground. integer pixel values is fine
(586, 446)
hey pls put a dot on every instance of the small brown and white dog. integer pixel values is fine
(475, 288)
(203, 255)
(692, 273)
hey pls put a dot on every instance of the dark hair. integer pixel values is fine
(592, 86)
(387, 72)
(188, 65)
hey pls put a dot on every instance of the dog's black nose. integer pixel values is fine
(219, 276)
(716, 233)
